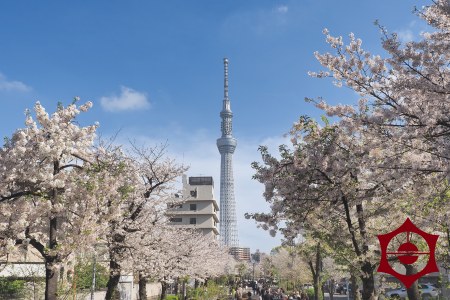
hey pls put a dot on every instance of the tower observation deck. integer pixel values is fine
(226, 145)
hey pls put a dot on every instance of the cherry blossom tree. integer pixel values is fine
(391, 146)
(60, 193)
(147, 192)
(313, 258)
(327, 187)
(168, 252)
(53, 189)
(333, 273)
(403, 105)
(290, 265)
(403, 97)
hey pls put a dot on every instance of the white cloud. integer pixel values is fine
(128, 99)
(405, 35)
(12, 85)
(259, 22)
(282, 9)
(412, 32)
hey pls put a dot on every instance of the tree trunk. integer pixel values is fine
(317, 288)
(413, 290)
(176, 288)
(316, 272)
(142, 287)
(51, 279)
(317, 279)
(113, 281)
(331, 288)
(368, 281)
(355, 288)
(163, 290)
(51, 274)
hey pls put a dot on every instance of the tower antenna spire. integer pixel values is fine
(225, 84)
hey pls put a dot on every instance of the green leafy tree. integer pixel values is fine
(84, 272)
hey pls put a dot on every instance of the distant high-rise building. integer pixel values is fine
(226, 145)
(240, 253)
(199, 211)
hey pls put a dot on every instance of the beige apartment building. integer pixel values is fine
(199, 211)
(240, 253)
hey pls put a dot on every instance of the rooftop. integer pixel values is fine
(201, 180)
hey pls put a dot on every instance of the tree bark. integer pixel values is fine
(413, 290)
(368, 281)
(51, 279)
(113, 281)
(317, 288)
(367, 268)
(316, 270)
(51, 274)
(142, 287)
(116, 251)
(355, 288)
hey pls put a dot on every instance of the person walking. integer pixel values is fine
(267, 295)
(239, 293)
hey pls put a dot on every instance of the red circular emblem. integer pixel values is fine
(408, 253)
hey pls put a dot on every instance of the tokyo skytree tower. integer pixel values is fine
(226, 145)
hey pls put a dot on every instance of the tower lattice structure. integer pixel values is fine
(226, 145)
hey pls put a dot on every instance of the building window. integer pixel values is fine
(176, 220)
(193, 221)
(192, 206)
(194, 193)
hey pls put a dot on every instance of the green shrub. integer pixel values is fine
(310, 293)
(171, 297)
(213, 291)
(12, 286)
(83, 276)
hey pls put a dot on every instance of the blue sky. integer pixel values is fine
(154, 71)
